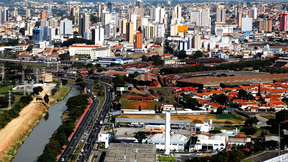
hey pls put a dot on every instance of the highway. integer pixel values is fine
(92, 138)
(83, 126)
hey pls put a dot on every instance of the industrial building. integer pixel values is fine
(177, 141)
(210, 142)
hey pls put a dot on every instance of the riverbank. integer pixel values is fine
(15, 133)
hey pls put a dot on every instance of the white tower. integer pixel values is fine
(167, 133)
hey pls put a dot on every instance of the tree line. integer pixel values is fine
(75, 108)
(257, 65)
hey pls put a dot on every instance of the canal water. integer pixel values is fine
(34, 145)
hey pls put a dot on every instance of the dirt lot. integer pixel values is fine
(20, 127)
(216, 118)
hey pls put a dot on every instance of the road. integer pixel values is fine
(83, 126)
(92, 138)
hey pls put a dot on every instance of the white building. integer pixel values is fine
(205, 17)
(160, 30)
(81, 50)
(98, 35)
(205, 127)
(205, 142)
(246, 24)
(4, 14)
(177, 141)
(21, 47)
(157, 13)
(195, 16)
(65, 27)
(253, 13)
(177, 11)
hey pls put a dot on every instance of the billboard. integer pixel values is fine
(119, 89)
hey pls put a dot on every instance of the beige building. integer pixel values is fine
(122, 24)
(129, 32)
(173, 30)
(47, 77)
(28, 13)
(81, 50)
(196, 42)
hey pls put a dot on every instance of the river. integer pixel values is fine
(34, 145)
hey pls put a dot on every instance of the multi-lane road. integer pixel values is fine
(85, 124)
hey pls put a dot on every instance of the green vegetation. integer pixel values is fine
(257, 65)
(166, 159)
(7, 115)
(223, 156)
(75, 108)
(155, 58)
(140, 136)
(230, 117)
(77, 40)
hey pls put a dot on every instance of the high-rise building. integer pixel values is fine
(65, 26)
(253, 13)
(101, 7)
(4, 12)
(150, 31)
(138, 40)
(262, 9)
(43, 15)
(110, 6)
(157, 13)
(160, 30)
(15, 12)
(283, 22)
(196, 42)
(74, 11)
(84, 20)
(177, 11)
(205, 17)
(122, 26)
(239, 18)
(98, 35)
(221, 14)
(49, 11)
(195, 16)
(246, 24)
(133, 19)
(28, 13)
(129, 32)
(139, 4)
(105, 18)
(265, 26)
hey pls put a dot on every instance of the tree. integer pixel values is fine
(29, 48)
(46, 98)
(198, 54)
(64, 57)
(214, 131)
(54, 146)
(47, 156)
(194, 140)
(281, 115)
(139, 108)
(250, 122)
(64, 82)
(249, 130)
(182, 54)
(36, 90)
(219, 110)
(155, 108)
(140, 136)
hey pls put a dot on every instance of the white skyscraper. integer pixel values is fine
(205, 17)
(150, 31)
(84, 20)
(195, 16)
(221, 14)
(177, 11)
(65, 26)
(4, 12)
(133, 19)
(101, 7)
(246, 24)
(98, 35)
(157, 13)
(160, 30)
(254, 13)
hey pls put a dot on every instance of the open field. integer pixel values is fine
(167, 94)
(268, 116)
(15, 132)
(5, 90)
(145, 105)
(219, 118)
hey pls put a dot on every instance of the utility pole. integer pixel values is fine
(24, 88)
(37, 76)
(279, 151)
(23, 77)
(3, 73)
(43, 73)
(57, 66)
(9, 100)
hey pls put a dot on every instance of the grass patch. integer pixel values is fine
(230, 117)
(269, 116)
(166, 159)
(60, 95)
(6, 89)
(145, 105)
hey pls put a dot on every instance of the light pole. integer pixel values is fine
(279, 151)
